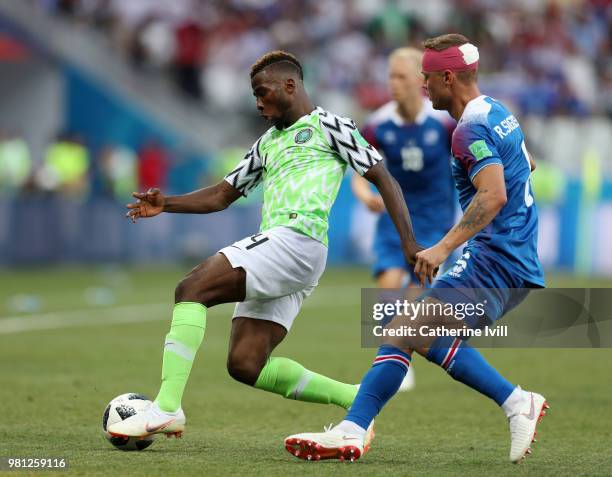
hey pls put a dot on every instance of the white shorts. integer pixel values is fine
(282, 267)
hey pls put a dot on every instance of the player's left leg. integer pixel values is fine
(251, 344)
(465, 364)
(523, 409)
(395, 278)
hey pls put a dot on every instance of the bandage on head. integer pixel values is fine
(454, 58)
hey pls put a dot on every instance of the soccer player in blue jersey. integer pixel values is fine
(414, 140)
(491, 169)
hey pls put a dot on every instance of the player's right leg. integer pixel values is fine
(213, 282)
(394, 278)
(391, 271)
(251, 344)
(281, 272)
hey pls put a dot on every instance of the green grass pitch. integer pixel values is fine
(97, 333)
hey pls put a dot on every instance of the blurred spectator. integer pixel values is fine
(606, 94)
(153, 165)
(118, 171)
(390, 26)
(65, 167)
(188, 58)
(157, 43)
(67, 7)
(553, 54)
(15, 163)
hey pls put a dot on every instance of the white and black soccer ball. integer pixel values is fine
(121, 408)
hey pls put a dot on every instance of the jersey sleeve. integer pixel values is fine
(344, 138)
(248, 174)
(474, 148)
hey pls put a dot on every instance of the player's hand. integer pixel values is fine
(375, 203)
(148, 204)
(428, 262)
(411, 251)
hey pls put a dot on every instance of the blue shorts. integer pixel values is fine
(482, 276)
(388, 246)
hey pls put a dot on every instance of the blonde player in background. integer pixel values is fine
(414, 140)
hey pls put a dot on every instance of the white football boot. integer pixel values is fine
(151, 421)
(331, 444)
(523, 419)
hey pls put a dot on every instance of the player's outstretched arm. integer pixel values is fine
(361, 189)
(202, 201)
(489, 200)
(393, 199)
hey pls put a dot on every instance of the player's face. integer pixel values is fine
(437, 89)
(272, 98)
(403, 79)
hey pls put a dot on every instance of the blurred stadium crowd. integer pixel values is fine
(546, 57)
(70, 169)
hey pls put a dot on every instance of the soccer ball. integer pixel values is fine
(119, 409)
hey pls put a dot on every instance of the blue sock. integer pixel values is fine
(467, 365)
(379, 385)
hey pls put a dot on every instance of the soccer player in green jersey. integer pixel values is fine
(300, 161)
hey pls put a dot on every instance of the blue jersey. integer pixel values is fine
(418, 156)
(487, 134)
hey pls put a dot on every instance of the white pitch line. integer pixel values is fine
(84, 317)
(133, 314)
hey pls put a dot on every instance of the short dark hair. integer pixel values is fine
(443, 42)
(274, 57)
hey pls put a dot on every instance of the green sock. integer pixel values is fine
(182, 343)
(290, 379)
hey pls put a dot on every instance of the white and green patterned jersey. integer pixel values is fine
(301, 168)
